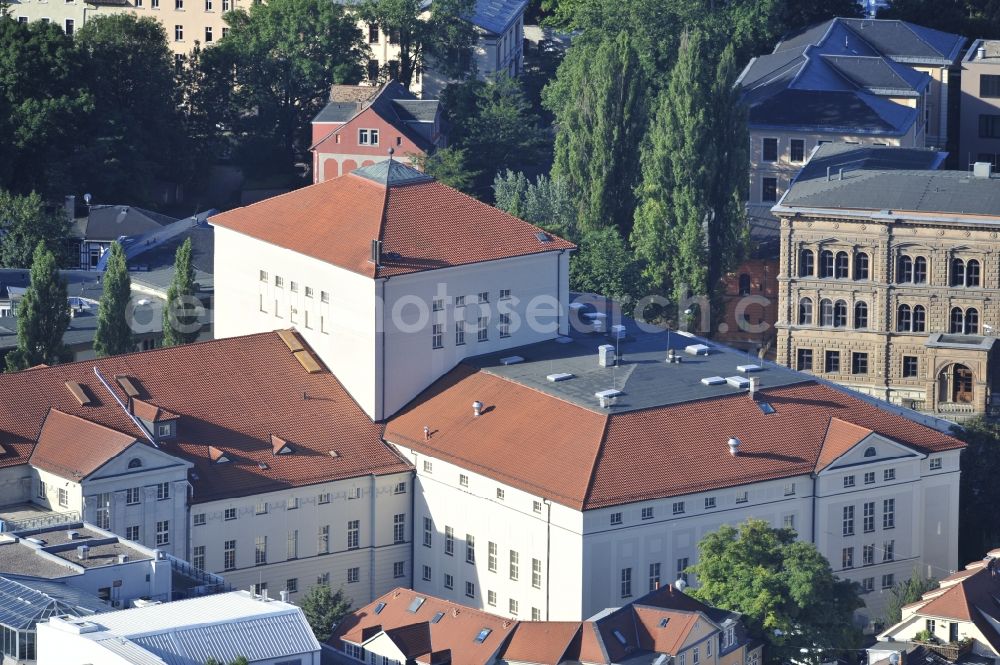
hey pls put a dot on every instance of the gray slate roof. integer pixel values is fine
(899, 40)
(110, 222)
(495, 16)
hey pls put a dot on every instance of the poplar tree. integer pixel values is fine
(599, 102)
(114, 334)
(180, 322)
(42, 316)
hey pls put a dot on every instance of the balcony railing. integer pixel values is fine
(951, 650)
(40, 521)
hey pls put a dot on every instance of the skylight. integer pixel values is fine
(379, 608)
(663, 622)
(618, 636)
(482, 635)
(437, 617)
(416, 603)
(766, 407)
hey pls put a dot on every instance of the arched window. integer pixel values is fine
(920, 270)
(135, 463)
(971, 321)
(904, 319)
(861, 266)
(972, 273)
(957, 272)
(826, 312)
(842, 266)
(805, 312)
(919, 318)
(861, 314)
(905, 270)
(870, 451)
(807, 263)
(744, 284)
(957, 320)
(826, 263)
(840, 314)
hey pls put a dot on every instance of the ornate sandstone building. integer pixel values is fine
(890, 277)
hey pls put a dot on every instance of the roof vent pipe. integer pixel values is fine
(284, 595)
(828, 174)
(840, 174)
(981, 51)
(734, 446)
(477, 408)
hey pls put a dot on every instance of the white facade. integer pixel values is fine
(374, 328)
(352, 534)
(600, 558)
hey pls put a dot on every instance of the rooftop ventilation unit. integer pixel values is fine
(618, 332)
(697, 349)
(123, 558)
(713, 380)
(746, 369)
(72, 535)
(477, 408)
(83, 552)
(734, 446)
(738, 382)
(982, 169)
(559, 376)
(607, 397)
(511, 360)
(673, 357)
(606, 355)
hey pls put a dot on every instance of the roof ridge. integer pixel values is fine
(597, 457)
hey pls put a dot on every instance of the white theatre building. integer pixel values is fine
(553, 498)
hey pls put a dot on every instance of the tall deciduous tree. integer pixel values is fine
(137, 135)
(275, 68)
(545, 202)
(42, 316)
(180, 317)
(784, 587)
(906, 592)
(323, 608)
(114, 333)
(24, 222)
(599, 101)
(979, 493)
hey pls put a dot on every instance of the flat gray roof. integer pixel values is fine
(642, 374)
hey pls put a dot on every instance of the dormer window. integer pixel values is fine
(135, 463)
(163, 431)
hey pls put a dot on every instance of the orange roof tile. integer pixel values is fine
(593, 460)
(231, 394)
(543, 642)
(423, 225)
(841, 436)
(150, 412)
(968, 600)
(73, 447)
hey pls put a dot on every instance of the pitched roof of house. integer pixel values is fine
(423, 225)
(543, 642)
(110, 222)
(408, 619)
(842, 76)
(841, 436)
(666, 436)
(231, 394)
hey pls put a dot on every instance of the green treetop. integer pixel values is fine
(180, 320)
(324, 608)
(42, 316)
(114, 333)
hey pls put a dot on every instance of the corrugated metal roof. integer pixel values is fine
(131, 651)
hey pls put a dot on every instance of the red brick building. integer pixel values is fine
(751, 306)
(360, 124)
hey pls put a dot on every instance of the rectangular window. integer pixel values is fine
(463, 480)
(695, 656)
(616, 518)
(323, 579)
(449, 541)
(869, 516)
(709, 502)
(512, 606)
(989, 86)
(323, 540)
(373, 33)
(797, 151)
(324, 297)
(225, 31)
(367, 137)
(163, 533)
(626, 583)
(437, 304)
(484, 296)
(504, 294)
(292, 503)
(399, 528)
(260, 550)
(536, 573)
(293, 286)
(789, 521)
(935, 463)
(428, 466)
(889, 514)
(847, 558)
(323, 498)
(70, 27)
(909, 367)
(132, 533)
(491, 598)
(437, 336)
(399, 569)
(483, 333)
(198, 557)
(805, 360)
(889, 474)
(504, 326)
(491, 562)
(292, 545)
(515, 567)
(353, 575)
(459, 333)
(104, 510)
(500, 493)
(229, 555)
(742, 497)
(208, 34)
(678, 508)
(229, 514)
(859, 363)
(63, 497)
(682, 566)
(353, 534)
(769, 150)
(292, 585)
(848, 521)
(449, 581)
(849, 481)
(43, 494)
(470, 589)
(426, 574)
(400, 488)
(263, 276)
(162, 491)
(870, 478)
(470, 548)
(989, 126)
(178, 33)
(536, 614)
(832, 361)
(889, 550)
(654, 576)
(647, 513)
(789, 489)
(428, 532)
(131, 496)
(868, 555)
(769, 190)
(868, 584)
(536, 506)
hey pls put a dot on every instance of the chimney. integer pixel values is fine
(123, 558)
(264, 594)
(427, 433)
(376, 257)
(72, 535)
(477, 408)
(981, 51)
(606, 355)
(284, 595)
(734, 446)
(753, 387)
(70, 206)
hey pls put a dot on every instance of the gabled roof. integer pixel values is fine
(495, 16)
(110, 222)
(231, 394)
(423, 225)
(151, 412)
(73, 447)
(544, 642)
(840, 437)
(899, 40)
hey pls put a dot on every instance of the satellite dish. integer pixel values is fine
(86, 198)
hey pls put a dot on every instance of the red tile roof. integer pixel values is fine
(592, 460)
(230, 393)
(841, 436)
(544, 642)
(74, 448)
(968, 599)
(150, 412)
(423, 225)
